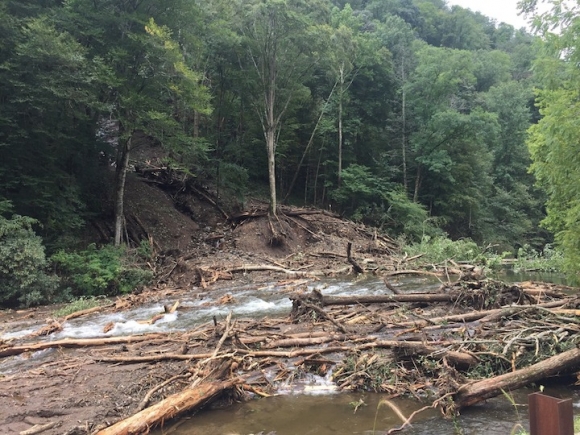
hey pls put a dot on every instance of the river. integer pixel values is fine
(314, 406)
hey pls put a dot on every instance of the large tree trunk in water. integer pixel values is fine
(476, 392)
(120, 191)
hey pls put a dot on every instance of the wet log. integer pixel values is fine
(486, 316)
(413, 272)
(266, 267)
(404, 297)
(306, 341)
(87, 342)
(476, 392)
(409, 297)
(168, 408)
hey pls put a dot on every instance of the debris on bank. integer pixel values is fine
(450, 348)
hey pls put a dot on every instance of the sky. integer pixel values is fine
(500, 10)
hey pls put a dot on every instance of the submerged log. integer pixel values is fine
(476, 392)
(168, 408)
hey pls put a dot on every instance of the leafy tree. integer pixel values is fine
(554, 140)
(515, 204)
(23, 279)
(45, 124)
(95, 271)
(377, 202)
(150, 87)
(278, 51)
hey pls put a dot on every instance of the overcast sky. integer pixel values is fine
(500, 10)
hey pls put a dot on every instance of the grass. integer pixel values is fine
(77, 305)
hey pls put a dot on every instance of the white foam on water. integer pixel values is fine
(248, 301)
(312, 384)
(20, 362)
(17, 334)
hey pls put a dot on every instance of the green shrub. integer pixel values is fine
(437, 250)
(79, 304)
(375, 201)
(548, 260)
(99, 271)
(22, 263)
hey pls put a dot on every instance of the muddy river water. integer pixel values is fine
(333, 414)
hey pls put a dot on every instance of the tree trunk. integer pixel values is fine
(404, 135)
(271, 148)
(408, 297)
(120, 191)
(340, 94)
(417, 184)
(310, 141)
(471, 394)
(168, 408)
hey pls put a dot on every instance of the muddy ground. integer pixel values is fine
(195, 247)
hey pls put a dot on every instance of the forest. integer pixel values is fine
(412, 116)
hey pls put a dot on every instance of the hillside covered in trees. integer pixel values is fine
(408, 115)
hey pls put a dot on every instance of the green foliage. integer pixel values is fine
(374, 201)
(99, 271)
(424, 106)
(437, 250)
(80, 304)
(547, 260)
(22, 264)
(554, 140)
(233, 178)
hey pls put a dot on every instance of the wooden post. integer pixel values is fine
(550, 416)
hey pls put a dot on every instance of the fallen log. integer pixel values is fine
(409, 297)
(68, 343)
(473, 393)
(266, 267)
(412, 348)
(413, 272)
(451, 297)
(168, 408)
(306, 341)
(485, 316)
(81, 313)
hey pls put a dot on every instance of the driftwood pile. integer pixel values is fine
(452, 348)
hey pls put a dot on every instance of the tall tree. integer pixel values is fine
(150, 83)
(279, 50)
(46, 128)
(555, 140)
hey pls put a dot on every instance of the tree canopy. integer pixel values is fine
(410, 115)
